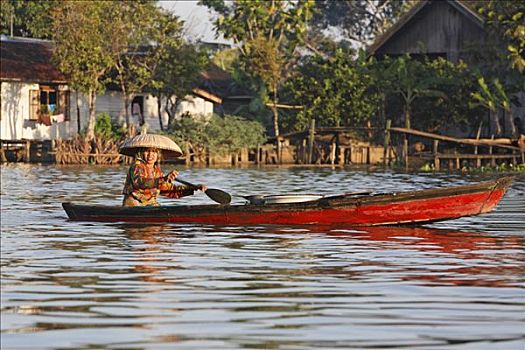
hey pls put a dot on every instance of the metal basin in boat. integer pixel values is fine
(282, 198)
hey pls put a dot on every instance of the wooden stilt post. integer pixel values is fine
(478, 134)
(436, 155)
(27, 155)
(188, 156)
(387, 143)
(405, 151)
(332, 153)
(311, 137)
(492, 159)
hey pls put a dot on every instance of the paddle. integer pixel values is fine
(216, 195)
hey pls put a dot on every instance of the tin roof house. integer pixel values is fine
(38, 104)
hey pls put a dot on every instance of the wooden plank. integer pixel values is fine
(283, 106)
(453, 139)
(207, 95)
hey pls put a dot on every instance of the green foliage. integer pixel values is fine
(105, 128)
(412, 79)
(504, 167)
(507, 17)
(432, 94)
(28, 18)
(268, 34)
(86, 47)
(358, 20)
(147, 34)
(219, 135)
(130, 43)
(500, 168)
(231, 134)
(85, 43)
(485, 96)
(226, 59)
(189, 129)
(176, 75)
(334, 91)
(448, 107)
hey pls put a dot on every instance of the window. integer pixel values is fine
(47, 101)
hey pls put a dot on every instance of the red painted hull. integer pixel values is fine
(369, 210)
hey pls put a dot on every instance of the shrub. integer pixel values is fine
(218, 134)
(105, 128)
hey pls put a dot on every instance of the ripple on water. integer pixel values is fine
(73, 285)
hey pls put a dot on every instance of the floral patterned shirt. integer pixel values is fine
(145, 184)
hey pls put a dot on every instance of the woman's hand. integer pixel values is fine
(172, 175)
(202, 187)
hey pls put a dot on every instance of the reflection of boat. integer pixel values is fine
(437, 256)
(346, 209)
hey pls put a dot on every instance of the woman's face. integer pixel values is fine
(150, 156)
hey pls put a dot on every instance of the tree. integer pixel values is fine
(489, 97)
(175, 77)
(145, 32)
(448, 105)
(359, 21)
(505, 103)
(334, 91)
(27, 18)
(268, 34)
(411, 79)
(86, 47)
(507, 17)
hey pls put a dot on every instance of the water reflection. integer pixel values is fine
(80, 285)
(146, 241)
(476, 255)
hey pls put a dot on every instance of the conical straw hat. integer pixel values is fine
(167, 145)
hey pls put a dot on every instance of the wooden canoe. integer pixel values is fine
(346, 209)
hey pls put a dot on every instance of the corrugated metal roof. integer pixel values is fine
(28, 61)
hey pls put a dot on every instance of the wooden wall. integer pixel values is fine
(440, 29)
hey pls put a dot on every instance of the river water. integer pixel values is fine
(80, 285)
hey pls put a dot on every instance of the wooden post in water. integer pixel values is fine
(492, 159)
(311, 137)
(478, 160)
(27, 155)
(387, 143)
(187, 159)
(436, 155)
(405, 151)
(341, 155)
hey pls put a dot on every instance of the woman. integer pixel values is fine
(145, 181)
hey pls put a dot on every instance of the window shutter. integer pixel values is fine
(34, 104)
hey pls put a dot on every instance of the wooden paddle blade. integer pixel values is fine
(218, 196)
